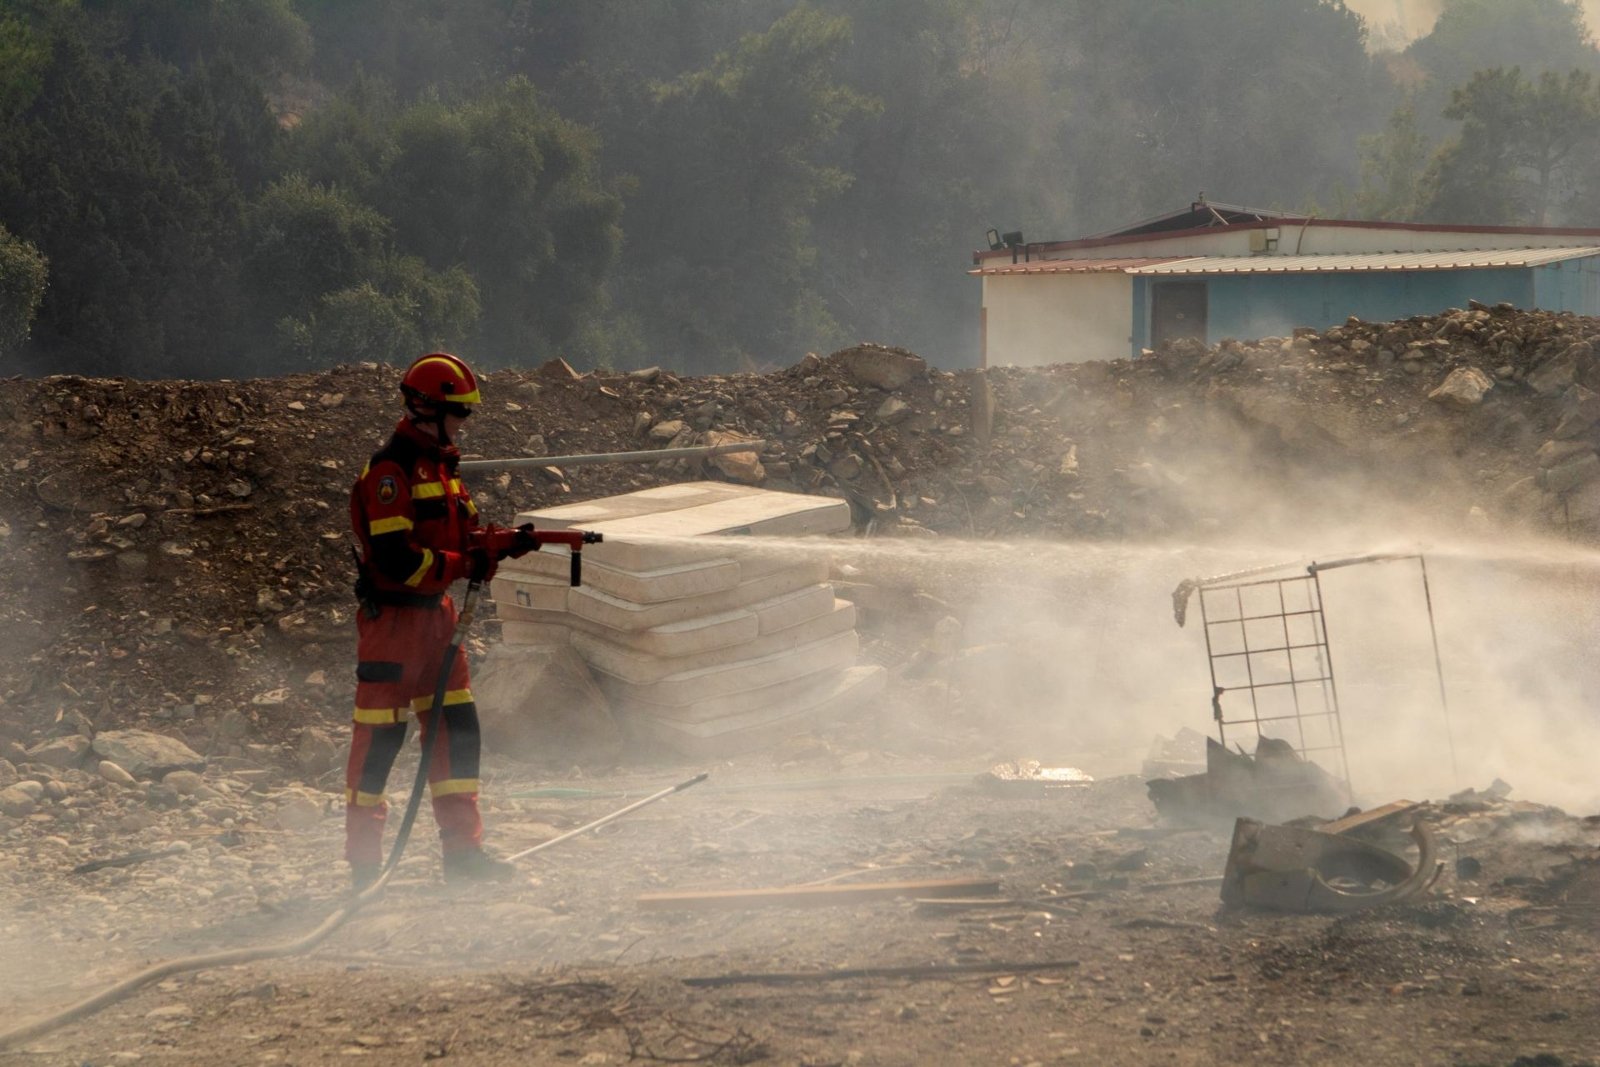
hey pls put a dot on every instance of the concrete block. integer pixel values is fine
(688, 638)
(621, 614)
(640, 668)
(844, 692)
(692, 687)
(642, 587)
(650, 529)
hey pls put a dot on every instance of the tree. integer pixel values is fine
(1516, 159)
(23, 272)
(323, 268)
(729, 161)
(1392, 167)
(1469, 36)
(510, 191)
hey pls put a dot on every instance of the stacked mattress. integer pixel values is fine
(704, 646)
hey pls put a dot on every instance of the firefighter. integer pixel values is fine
(418, 531)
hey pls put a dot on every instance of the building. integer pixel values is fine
(1212, 271)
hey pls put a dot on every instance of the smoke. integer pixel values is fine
(1068, 652)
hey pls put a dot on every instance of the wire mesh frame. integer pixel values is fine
(1318, 684)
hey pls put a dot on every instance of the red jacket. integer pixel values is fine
(413, 516)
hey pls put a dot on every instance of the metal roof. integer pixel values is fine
(1072, 266)
(1201, 213)
(1470, 259)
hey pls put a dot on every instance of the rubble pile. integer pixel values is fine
(177, 556)
(1530, 381)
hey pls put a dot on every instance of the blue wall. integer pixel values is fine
(1573, 285)
(1249, 306)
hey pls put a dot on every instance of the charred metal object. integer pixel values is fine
(1287, 868)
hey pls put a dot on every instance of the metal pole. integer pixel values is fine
(649, 455)
(1438, 668)
(619, 813)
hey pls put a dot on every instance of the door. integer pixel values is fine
(1177, 310)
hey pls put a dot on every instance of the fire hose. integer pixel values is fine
(573, 539)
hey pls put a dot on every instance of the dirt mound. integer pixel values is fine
(178, 551)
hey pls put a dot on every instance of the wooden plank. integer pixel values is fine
(802, 896)
(930, 970)
(1391, 810)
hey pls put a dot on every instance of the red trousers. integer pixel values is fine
(398, 658)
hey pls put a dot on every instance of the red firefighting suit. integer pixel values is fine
(417, 527)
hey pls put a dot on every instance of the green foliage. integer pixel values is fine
(305, 241)
(729, 247)
(321, 267)
(24, 54)
(1522, 151)
(23, 273)
(1392, 166)
(227, 186)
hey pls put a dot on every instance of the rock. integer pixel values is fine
(315, 754)
(982, 410)
(1553, 376)
(297, 812)
(1552, 452)
(114, 774)
(558, 370)
(146, 755)
(1463, 387)
(1569, 474)
(1069, 462)
(183, 783)
(232, 725)
(879, 366)
(667, 429)
(742, 467)
(21, 799)
(60, 752)
(892, 410)
(1580, 410)
(645, 374)
(8, 773)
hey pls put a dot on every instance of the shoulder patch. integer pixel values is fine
(387, 489)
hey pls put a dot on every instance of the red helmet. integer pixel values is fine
(440, 378)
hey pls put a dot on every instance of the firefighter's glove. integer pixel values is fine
(480, 564)
(523, 541)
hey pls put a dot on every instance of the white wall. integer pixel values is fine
(1030, 320)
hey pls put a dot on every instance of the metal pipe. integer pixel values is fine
(619, 813)
(649, 455)
(1438, 669)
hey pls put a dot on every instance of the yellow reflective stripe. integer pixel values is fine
(454, 484)
(380, 716)
(422, 571)
(389, 525)
(455, 368)
(365, 467)
(472, 509)
(451, 697)
(452, 786)
(427, 490)
(363, 800)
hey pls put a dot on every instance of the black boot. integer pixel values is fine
(476, 866)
